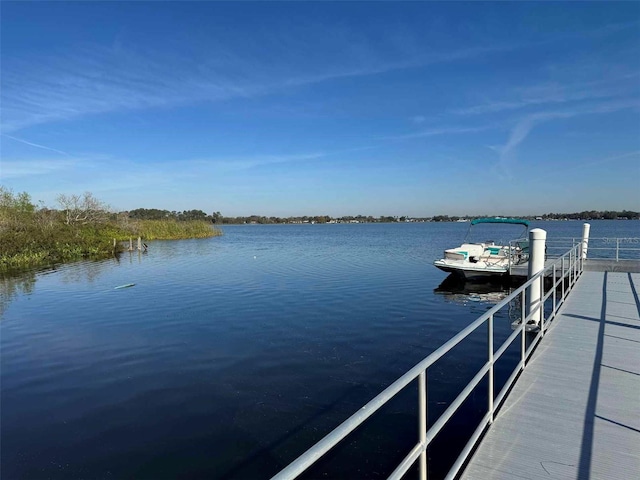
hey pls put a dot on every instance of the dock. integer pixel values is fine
(571, 406)
(596, 265)
(575, 411)
(522, 270)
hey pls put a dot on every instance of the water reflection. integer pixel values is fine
(481, 295)
(10, 286)
(132, 256)
(86, 271)
(457, 290)
(19, 283)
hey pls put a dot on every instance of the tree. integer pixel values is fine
(149, 214)
(15, 207)
(83, 209)
(216, 217)
(192, 215)
(20, 203)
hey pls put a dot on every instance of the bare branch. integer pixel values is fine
(83, 210)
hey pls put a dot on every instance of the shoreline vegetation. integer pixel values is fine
(32, 236)
(84, 227)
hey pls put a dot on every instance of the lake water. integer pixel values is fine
(232, 355)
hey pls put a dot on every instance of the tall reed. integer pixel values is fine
(31, 236)
(174, 230)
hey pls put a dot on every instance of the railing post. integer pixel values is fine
(490, 342)
(563, 275)
(542, 304)
(585, 240)
(422, 421)
(570, 268)
(523, 338)
(617, 248)
(554, 290)
(537, 240)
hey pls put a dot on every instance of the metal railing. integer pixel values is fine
(600, 248)
(564, 273)
(518, 252)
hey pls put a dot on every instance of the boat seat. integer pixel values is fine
(472, 249)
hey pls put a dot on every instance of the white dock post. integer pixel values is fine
(585, 240)
(537, 241)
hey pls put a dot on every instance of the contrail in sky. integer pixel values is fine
(36, 145)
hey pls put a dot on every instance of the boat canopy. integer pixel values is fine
(514, 221)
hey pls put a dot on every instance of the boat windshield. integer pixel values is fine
(497, 232)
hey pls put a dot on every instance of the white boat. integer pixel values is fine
(486, 259)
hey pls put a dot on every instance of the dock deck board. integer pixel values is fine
(575, 411)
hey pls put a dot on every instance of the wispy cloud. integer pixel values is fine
(610, 159)
(99, 79)
(196, 166)
(11, 169)
(125, 76)
(616, 157)
(47, 177)
(584, 164)
(44, 147)
(437, 131)
(248, 163)
(558, 93)
(525, 125)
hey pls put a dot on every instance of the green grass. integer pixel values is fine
(31, 244)
(30, 236)
(27, 244)
(174, 230)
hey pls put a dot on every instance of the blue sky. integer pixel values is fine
(340, 108)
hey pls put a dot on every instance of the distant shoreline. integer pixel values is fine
(296, 221)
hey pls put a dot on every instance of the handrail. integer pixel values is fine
(570, 266)
(615, 247)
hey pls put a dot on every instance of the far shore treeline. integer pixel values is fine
(218, 218)
(587, 215)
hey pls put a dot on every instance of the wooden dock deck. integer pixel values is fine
(575, 411)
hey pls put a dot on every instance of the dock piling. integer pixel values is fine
(537, 241)
(585, 240)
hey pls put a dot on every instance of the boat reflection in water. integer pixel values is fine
(483, 295)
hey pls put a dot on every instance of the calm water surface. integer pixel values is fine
(232, 355)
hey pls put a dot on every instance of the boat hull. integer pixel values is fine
(471, 271)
